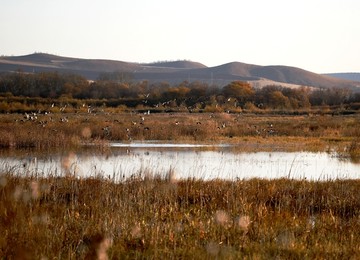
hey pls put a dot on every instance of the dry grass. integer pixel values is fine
(63, 130)
(151, 218)
(190, 219)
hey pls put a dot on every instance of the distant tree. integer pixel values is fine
(331, 97)
(338, 96)
(242, 91)
(355, 97)
(264, 97)
(156, 90)
(298, 97)
(197, 90)
(139, 89)
(278, 100)
(176, 93)
(318, 97)
(44, 84)
(107, 90)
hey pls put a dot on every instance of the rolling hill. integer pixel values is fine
(175, 71)
(353, 76)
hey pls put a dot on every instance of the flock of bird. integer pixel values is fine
(107, 130)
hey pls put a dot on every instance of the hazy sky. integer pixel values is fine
(316, 35)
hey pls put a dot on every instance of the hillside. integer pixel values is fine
(180, 64)
(298, 76)
(41, 62)
(174, 71)
(348, 76)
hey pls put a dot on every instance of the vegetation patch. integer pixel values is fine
(153, 217)
(61, 130)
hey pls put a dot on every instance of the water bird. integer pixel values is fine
(128, 134)
(64, 120)
(106, 130)
(62, 109)
(43, 123)
(26, 116)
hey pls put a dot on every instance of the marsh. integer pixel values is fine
(185, 160)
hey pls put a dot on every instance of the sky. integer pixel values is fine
(321, 36)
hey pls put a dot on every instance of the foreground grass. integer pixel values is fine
(67, 218)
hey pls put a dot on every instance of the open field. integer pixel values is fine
(66, 218)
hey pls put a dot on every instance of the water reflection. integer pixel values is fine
(187, 161)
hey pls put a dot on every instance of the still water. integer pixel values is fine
(122, 161)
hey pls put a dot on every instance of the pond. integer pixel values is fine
(123, 160)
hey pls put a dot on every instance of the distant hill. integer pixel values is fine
(41, 62)
(276, 74)
(37, 58)
(353, 76)
(180, 64)
(177, 71)
(299, 76)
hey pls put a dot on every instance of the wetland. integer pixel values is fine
(211, 185)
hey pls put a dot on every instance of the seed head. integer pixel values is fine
(221, 218)
(243, 223)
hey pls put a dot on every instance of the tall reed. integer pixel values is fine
(153, 217)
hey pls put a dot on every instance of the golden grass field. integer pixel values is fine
(66, 218)
(152, 218)
(66, 130)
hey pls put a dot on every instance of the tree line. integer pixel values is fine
(117, 89)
